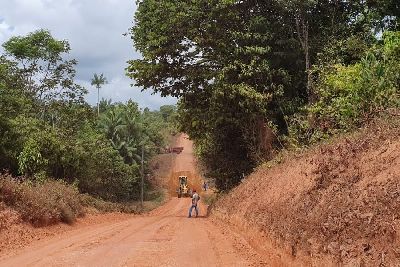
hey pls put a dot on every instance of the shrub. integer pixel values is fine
(41, 203)
(349, 94)
(8, 217)
(101, 170)
(30, 160)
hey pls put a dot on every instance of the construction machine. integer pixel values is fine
(183, 190)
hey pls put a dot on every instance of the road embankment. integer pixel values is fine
(337, 203)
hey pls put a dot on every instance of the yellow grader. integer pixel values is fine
(183, 190)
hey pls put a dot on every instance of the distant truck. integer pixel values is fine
(183, 190)
(176, 150)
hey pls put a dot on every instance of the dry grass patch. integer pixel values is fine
(41, 204)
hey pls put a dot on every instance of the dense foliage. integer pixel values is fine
(48, 131)
(350, 93)
(250, 74)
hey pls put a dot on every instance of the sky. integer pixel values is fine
(95, 31)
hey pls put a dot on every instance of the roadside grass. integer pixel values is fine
(97, 205)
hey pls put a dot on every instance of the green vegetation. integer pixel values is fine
(349, 94)
(252, 77)
(257, 75)
(55, 142)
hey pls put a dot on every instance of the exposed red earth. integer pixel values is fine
(163, 237)
(337, 204)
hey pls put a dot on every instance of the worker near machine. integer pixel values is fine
(195, 201)
(205, 186)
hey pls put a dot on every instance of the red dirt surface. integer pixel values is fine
(338, 204)
(17, 234)
(185, 164)
(164, 237)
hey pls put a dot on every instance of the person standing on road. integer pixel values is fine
(195, 201)
(205, 186)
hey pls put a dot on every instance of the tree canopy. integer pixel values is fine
(48, 131)
(243, 70)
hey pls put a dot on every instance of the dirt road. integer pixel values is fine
(164, 237)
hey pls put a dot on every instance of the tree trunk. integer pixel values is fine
(142, 180)
(98, 101)
(303, 36)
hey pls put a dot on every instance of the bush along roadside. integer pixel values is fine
(350, 95)
(43, 203)
(52, 201)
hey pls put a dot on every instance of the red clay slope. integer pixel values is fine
(336, 204)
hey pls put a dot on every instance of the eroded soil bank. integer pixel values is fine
(338, 203)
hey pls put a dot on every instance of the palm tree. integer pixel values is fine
(112, 124)
(105, 105)
(123, 135)
(98, 81)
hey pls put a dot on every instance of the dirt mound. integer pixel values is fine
(337, 203)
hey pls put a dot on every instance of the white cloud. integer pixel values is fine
(94, 30)
(5, 30)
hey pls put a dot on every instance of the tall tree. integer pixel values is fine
(47, 75)
(239, 65)
(215, 56)
(98, 81)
